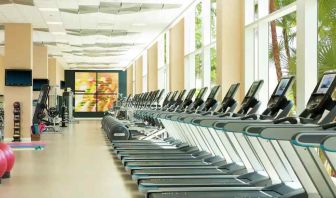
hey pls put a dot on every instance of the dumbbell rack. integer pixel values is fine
(17, 124)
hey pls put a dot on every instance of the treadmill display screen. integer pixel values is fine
(190, 94)
(253, 89)
(283, 84)
(325, 83)
(201, 93)
(213, 92)
(231, 91)
(174, 95)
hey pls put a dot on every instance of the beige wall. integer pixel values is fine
(152, 68)
(176, 57)
(138, 75)
(40, 64)
(130, 80)
(18, 55)
(2, 76)
(55, 73)
(230, 40)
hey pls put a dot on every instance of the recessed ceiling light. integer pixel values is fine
(55, 23)
(49, 9)
(58, 33)
(138, 24)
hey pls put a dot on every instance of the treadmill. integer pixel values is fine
(249, 104)
(150, 147)
(277, 103)
(170, 103)
(228, 105)
(321, 109)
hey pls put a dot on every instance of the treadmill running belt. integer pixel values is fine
(167, 163)
(217, 194)
(178, 171)
(188, 182)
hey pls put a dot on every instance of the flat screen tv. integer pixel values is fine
(18, 77)
(62, 84)
(37, 84)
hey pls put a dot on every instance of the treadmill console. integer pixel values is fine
(170, 100)
(198, 100)
(166, 100)
(187, 101)
(279, 94)
(322, 92)
(250, 98)
(320, 108)
(210, 101)
(229, 100)
(178, 101)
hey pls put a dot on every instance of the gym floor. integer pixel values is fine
(77, 163)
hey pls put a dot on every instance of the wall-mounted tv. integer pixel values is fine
(18, 77)
(37, 84)
(62, 84)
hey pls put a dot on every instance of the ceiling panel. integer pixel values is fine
(107, 33)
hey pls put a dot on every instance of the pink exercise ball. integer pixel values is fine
(3, 163)
(10, 157)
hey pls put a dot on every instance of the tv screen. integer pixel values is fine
(62, 84)
(18, 77)
(37, 84)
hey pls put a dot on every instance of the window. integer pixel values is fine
(275, 57)
(200, 45)
(282, 52)
(133, 81)
(163, 61)
(144, 72)
(326, 50)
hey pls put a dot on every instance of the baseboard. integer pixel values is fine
(8, 139)
(22, 139)
(26, 139)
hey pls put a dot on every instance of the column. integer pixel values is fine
(2, 75)
(306, 69)
(40, 64)
(176, 57)
(138, 75)
(129, 80)
(18, 55)
(230, 40)
(152, 68)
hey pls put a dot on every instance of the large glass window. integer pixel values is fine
(144, 72)
(163, 61)
(200, 38)
(326, 49)
(282, 52)
(95, 91)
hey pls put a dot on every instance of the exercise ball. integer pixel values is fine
(10, 157)
(3, 163)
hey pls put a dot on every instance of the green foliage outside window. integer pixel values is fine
(198, 26)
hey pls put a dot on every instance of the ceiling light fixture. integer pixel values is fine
(138, 24)
(55, 23)
(49, 9)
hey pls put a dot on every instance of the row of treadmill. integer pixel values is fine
(215, 149)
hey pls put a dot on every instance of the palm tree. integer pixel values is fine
(275, 44)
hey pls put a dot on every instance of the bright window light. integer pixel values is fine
(55, 23)
(49, 9)
(58, 33)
